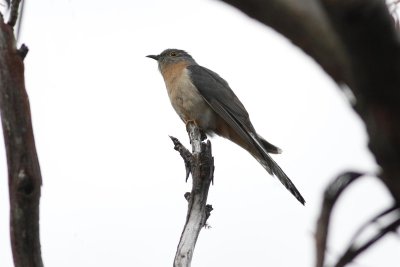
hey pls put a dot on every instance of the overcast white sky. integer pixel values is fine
(113, 186)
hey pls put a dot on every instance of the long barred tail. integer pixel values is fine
(270, 165)
(273, 168)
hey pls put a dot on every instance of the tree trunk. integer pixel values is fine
(23, 166)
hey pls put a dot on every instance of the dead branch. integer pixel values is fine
(202, 169)
(185, 154)
(14, 12)
(368, 32)
(356, 43)
(386, 213)
(331, 195)
(24, 175)
(304, 23)
(353, 251)
(349, 39)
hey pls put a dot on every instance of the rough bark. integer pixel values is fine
(202, 169)
(23, 166)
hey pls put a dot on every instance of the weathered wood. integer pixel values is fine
(23, 166)
(202, 169)
(185, 154)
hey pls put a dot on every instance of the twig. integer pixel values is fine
(20, 20)
(331, 195)
(371, 221)
(14, 13)
(352, 252)
(185, 154)
(24, 175)
(202, 168)
(23, 51)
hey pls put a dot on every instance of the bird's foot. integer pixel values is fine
(190, 121)
(203, 134)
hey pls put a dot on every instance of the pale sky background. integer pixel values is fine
(113, 186)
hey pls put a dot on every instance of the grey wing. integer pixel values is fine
(222, 100)
(225, 103)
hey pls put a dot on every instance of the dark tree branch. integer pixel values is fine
(357, 43)
(374, 220)
(202, 169)
(331, 195)
(368, 32)
(23, 166)
(353, 251)
(23, 51)
(370, 37)
(304, 23)
(14, 12)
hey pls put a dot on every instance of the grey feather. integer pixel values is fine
(216, 91)
(269, 147)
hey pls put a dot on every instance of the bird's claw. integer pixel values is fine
(203, 135)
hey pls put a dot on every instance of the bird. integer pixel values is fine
(200, 95)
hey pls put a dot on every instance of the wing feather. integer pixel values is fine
(217, 93)
(225, 103)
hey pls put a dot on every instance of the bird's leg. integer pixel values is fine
(203, 135)
(188, 121)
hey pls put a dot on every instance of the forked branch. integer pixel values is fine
(201, 165)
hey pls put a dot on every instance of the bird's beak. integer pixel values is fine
(156, 57)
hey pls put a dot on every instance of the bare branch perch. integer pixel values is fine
(202, 169)
(24, 175)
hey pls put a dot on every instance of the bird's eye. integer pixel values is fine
(173, 54)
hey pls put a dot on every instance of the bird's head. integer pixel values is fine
(172, 56)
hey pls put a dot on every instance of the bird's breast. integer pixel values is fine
(188, 102)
